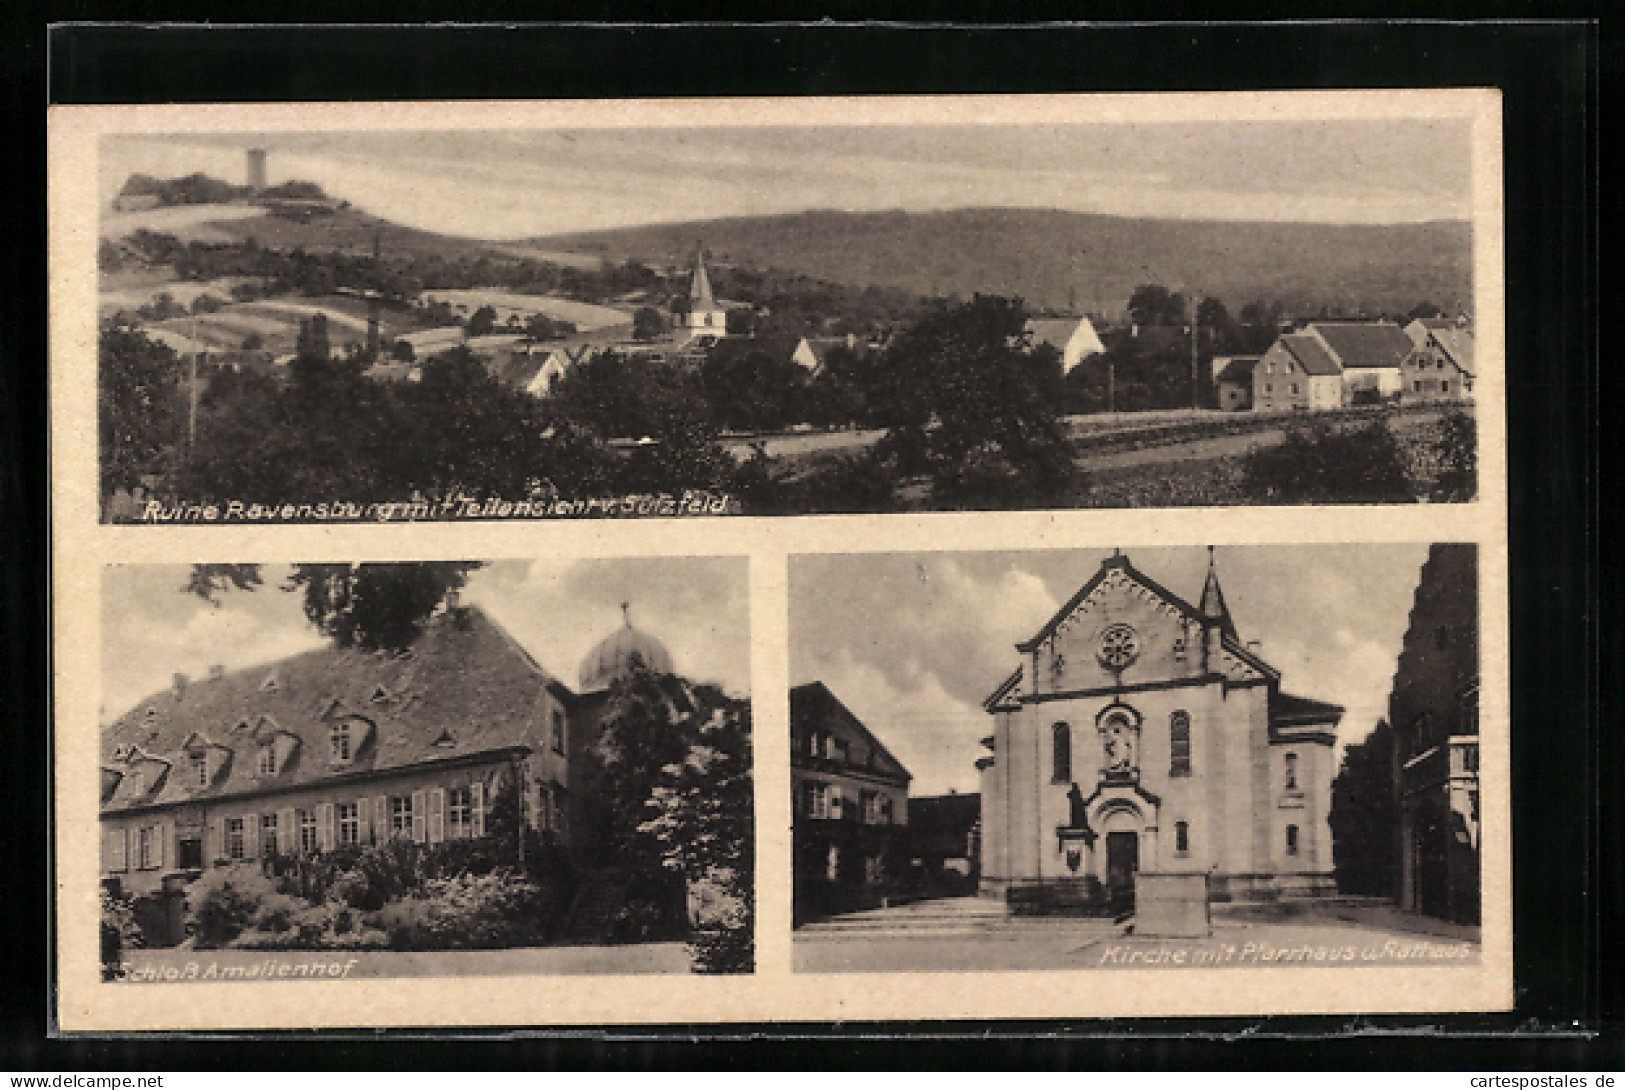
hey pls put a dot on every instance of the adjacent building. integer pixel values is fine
(1328, 365)
(1434, 712)
(1233, 379)
(339, 748)
(1074, 338)
(1298, 372)
(850, 800)
(1440, 365)
(1140, 733)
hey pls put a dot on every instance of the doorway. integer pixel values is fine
(1122, 861)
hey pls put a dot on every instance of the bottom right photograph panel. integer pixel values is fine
(1247, 756)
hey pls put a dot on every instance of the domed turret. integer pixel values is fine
(616, 656)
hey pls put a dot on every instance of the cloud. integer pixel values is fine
(917, 641)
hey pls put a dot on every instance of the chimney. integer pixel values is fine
(179, 686)
(851, 340)
(216, 672)
(454, 600)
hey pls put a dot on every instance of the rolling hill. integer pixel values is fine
(1046, 256)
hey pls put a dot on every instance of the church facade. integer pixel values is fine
(1140, 734)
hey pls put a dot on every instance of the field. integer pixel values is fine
(586, 316)
(277, 322)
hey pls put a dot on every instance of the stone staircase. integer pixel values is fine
(601, 895)
(951, 917)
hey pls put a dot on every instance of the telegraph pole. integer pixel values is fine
(1196, 311)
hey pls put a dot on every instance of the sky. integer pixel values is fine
(506, 184)
(557, 610)
(912, 643)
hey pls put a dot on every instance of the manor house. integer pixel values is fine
(339, 748)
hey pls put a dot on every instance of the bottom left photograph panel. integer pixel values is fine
(408, 769)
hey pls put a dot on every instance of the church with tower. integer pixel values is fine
(705, 317)
(1141, 735)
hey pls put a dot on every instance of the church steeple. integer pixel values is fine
(1213, 607)
(699, 288)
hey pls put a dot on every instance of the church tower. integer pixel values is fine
(705, 318)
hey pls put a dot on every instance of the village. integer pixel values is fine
(705, 374)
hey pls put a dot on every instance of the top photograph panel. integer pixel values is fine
(709, 316)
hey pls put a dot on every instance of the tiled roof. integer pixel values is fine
(1458, 345)
(814, 701)
(1239, 370)
(1364, 344)
(1288, 710)
(1311, 354)
(464, 688)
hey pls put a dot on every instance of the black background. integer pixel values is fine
(1565, 751)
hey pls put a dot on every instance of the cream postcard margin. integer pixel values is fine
(82, 545)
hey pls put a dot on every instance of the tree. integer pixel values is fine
(987, 411)
(1364, 819)
(703, 825)
(140, 406)
(1153, 305)
(370, 606)
(481, 322)
(253, 342)
(647, 324)
(1319, 465)
(403, 351)
(674, 798)
(1423, 310)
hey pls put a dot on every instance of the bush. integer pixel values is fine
(119, 933)
(1316, 464)
(224, 902)
(1457, 451)
(467, 912)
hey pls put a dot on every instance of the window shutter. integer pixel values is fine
(287, 833)
(159, 851)
(420, 823)
(437, 815)
(324, 826)
(363, 821)
(251, 836)
(380, 817)
(121, 849)
(218, 832)
(476, 795)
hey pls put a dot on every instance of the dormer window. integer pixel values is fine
(267, 760)
(380, 695)
(269, 685)
(340, 739)
(199, 765)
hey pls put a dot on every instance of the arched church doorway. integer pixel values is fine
(1122, 862)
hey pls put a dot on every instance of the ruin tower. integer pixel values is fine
(256, 170)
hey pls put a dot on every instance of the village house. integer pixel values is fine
(1074, 338)
(340, 748)
(1233, 379)
(1140, 734)
(1328, 365)
(849, 803)
(1439, 366)
(1297, 373)
(1369, 354)
(1434, 711)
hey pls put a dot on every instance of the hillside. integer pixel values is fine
(1046, 255)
